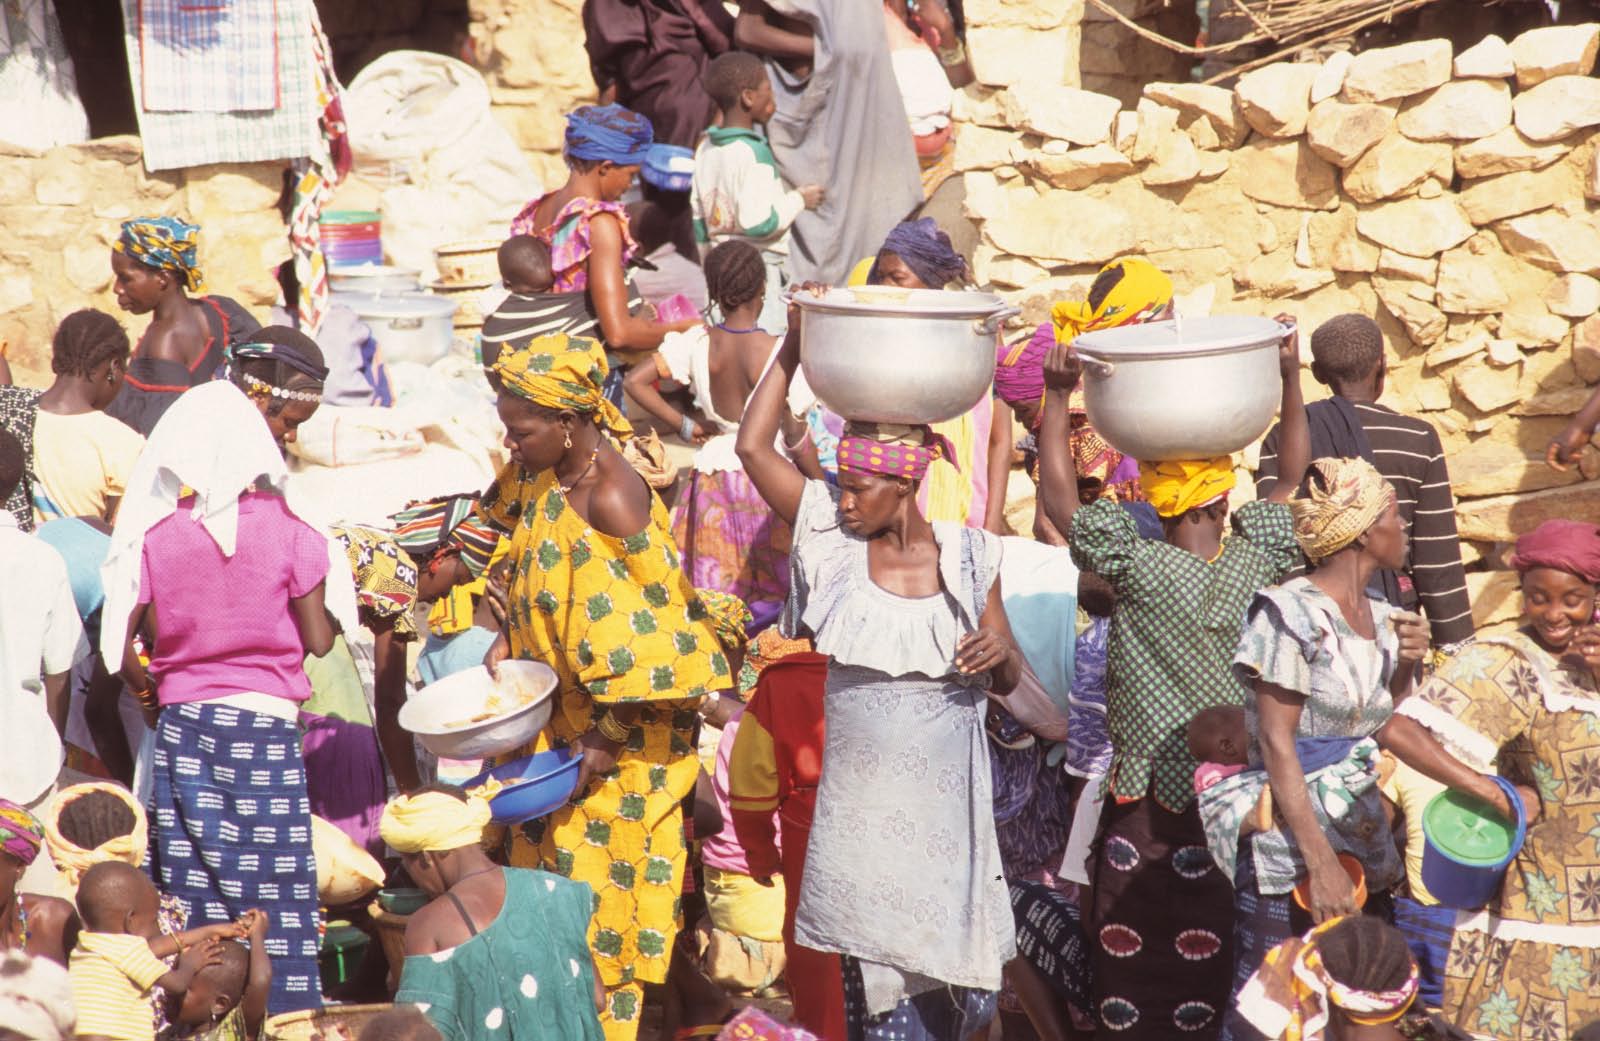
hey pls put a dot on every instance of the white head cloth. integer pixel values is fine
(213, 441)
(35, 998)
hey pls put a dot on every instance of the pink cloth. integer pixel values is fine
(569, 240)
(1208, 774)
(722, 850)
(224, 624)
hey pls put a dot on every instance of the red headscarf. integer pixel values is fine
(1563, 545)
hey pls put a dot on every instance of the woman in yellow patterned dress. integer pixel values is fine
(598, 594)
(1526, 705)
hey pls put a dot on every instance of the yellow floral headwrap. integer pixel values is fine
(1141, 292)
(1344, 499)
(728, 617)
(1175, 488)
(433, 822)
(562, 372)
(73, 860)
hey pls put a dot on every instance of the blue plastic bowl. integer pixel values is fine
(669, 167)
(535, 785)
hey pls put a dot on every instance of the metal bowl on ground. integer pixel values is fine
(889, 355)
(1187, 389)
(534, 785)
(330, 1023)
(373, 279)
(472, 715)
(414, 327)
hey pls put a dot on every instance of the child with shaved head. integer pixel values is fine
(113, 967)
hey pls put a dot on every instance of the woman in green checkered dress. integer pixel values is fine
(1163, 915)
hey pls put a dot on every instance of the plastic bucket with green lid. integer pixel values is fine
(1469, 845)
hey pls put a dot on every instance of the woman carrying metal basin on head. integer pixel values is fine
(1163, 915)
(910, 616)
(1524, 705)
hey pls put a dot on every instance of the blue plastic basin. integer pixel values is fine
(535, 785)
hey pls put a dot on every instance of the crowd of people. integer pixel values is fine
(1157, 768)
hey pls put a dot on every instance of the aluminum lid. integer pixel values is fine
(1181, 338)
(397, 305)
(892, 301)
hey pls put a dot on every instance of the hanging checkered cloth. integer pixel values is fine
(317, 175)
(233, 832)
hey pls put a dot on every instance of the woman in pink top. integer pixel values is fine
(226, 585)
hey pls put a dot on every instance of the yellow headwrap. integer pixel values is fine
(73, 860)
(562, 372)
(1141, 292)
(1346, 497)
(1175, 488)
(433, 822)
(728, 617)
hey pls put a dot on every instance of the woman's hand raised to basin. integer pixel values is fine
(1289, 349)
(1062, 369)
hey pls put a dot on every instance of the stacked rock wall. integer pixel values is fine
(63, 210)
(531, 52)
(1450, 196)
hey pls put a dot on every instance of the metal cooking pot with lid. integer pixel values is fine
(1182, 389)
(412, 327)
(890, 355)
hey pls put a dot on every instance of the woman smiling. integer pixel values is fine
(1527, 704)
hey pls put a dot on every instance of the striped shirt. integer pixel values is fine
(111, 976)
(521, 318)
(1407, 451)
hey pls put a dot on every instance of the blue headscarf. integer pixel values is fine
(597, 133)
(926, 250)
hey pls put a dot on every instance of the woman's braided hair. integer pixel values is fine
(735, 274)
(93, 819)
(84, 341)
(1366, 953)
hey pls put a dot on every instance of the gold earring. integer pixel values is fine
(568, 442)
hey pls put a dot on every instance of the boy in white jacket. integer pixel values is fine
(738, 192)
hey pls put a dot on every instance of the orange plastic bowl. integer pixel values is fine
(1352, 867)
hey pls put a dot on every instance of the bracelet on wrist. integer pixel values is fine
(686, 429)
(609, 728)
(954, 56)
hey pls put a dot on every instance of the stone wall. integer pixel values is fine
(1451, 196)
(62, 210)
(531, 52)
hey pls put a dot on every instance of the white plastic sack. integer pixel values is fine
(351, 435)
(422, 132)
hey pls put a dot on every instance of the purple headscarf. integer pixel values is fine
(926, 250)
(1019, 369)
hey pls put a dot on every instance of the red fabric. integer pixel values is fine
(788, 704)
(1562, 545)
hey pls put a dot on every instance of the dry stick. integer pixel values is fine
(1343, 29)
(1344, 15)
(1171, 45)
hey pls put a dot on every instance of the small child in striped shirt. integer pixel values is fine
(118, 957)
